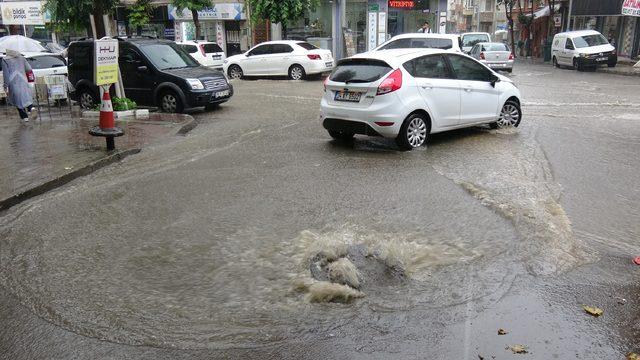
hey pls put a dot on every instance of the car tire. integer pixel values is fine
(510, 115)
(555, 63)
(210, 107)
(509, 70)
(170, 102)
(340, 135)
(296, 72)
(577, 65)
(87, 98)
(612, 65)
(235, 72)
(413, 132)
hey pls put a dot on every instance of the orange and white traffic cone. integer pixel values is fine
(107, 126)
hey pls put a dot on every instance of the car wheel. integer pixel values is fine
(413, 133)
(87, 98)
(510, 115)
(211, 106)
(170, 102)
(555, 62)
(612, 65)
(577, 65)
(340, 135)
(296, 72)
(235, 72)
(509, 70)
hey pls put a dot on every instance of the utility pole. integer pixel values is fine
(569, 15)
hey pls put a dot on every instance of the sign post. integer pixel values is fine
(105, 60)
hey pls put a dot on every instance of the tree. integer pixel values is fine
(281, 11)
(74, 14)
(508, 9)
(194, 6)
(140, 14)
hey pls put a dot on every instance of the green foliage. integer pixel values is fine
(74, 14)
(192, 5)
(121, 104)
(281, 11)
(140, 13)
(525, 20)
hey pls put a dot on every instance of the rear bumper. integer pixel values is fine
(497, 65)
(363, 120)
(350, 127)
(318, 67)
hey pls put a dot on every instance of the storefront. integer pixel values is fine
(159, 26)
(223, 23)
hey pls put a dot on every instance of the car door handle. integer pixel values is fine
(427, 86)
(467, 89)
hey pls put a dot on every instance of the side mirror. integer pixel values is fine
(493, 79)
(142, 68)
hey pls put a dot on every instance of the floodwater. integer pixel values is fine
(228, 239)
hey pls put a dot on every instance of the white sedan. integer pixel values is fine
(295, 59)
(408, 94)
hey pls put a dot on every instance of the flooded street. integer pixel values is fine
(231, 242)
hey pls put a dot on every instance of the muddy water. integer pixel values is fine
(218, 260)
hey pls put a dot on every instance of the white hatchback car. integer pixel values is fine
(422, 41)
(206, 53)
(296, 59)
(409, 94)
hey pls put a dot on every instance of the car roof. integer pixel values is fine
(425, 36)
(490, 43)
(577, 33)
(195, 42)
(474, 33)
(397, 57)
(288, 42)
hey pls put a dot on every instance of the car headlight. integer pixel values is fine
(584, 55)
(195, 84)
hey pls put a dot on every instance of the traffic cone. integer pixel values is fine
(107, 120)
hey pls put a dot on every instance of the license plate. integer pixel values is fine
(329, 64)
(349, 96)
(602, 59)
(220, 94)
(497, 65)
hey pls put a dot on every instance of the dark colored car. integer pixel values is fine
(154, 73)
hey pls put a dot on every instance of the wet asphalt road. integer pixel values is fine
(191, 248)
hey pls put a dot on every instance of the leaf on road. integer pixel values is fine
(502, 331)
(633, 356)
(518, 349)
(593, 310)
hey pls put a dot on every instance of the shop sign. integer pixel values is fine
(23, 13)
(557, 20)
(631, 7)
(373, 31)
(225, 11)
(374, 7)
(106, 62)
(402, 4)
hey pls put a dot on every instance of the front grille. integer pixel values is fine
(213, 84)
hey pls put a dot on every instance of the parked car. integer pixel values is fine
(472, 38)
(423, 41)
(497, 56)
(154, 72)
(295, 59)
(581, 49)
(206, 53)
(409, 94)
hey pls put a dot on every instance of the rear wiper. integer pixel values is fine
(356, 81)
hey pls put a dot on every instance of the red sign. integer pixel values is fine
(403, 4)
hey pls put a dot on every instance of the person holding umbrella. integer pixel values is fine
(14, 71)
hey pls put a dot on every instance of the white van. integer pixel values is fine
(581, 49)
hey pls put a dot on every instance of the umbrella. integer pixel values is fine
(20, 43)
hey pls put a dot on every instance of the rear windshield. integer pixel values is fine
(212, 48)
(426, 43)
(189, 48)
(590, 40)
(307, 46)
(359, 70)
(472, 39)
(495, 47)
(168, 56)
(46, 62)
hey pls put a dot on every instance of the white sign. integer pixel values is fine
(23, 13)
(106, 61)
(631, 7)
(233, 11)
(382, 22)
(373, 30)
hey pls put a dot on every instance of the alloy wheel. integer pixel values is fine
(296, 73)
(86, 101)
(509, 116)
(235, 72)
(416, 132)
(169, 103)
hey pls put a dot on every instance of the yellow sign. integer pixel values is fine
(106, 62)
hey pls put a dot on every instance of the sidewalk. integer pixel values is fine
(57, 148)
(624, 67)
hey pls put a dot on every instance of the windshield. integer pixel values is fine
(359, 70)
(425, 43)
(46, 62)
(472, 39)
(590, 40)
(496, 47)
(168, 56)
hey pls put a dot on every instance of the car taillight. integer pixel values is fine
(324, 83)
(392, 83)
(481, 56)
(314, 56)
(202, 50)
(510, 56)
(30, 77)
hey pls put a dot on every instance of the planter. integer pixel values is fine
(142, 113)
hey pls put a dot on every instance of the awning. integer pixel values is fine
(545, 11)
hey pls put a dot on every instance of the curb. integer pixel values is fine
(7, 203)
(186, 128)
(619, 72)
